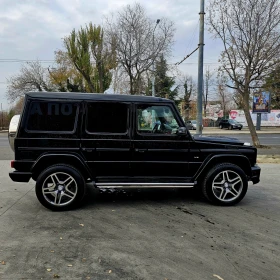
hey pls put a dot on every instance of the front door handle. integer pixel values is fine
(141, 150)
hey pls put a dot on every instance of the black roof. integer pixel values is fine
(94, 96)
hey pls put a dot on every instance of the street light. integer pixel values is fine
(153, 65)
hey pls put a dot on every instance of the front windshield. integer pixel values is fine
(233, 121)
(194, 122)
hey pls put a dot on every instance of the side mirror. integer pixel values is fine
(182, 130)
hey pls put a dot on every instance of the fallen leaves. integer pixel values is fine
(56, 276)
(82, 225)
(3, 262)
(69, 265)
(49, 269)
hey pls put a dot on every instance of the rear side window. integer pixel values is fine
(107, 117)
(52, 116)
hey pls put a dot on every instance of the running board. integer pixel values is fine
(144, 185)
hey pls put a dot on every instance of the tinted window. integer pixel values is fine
(156, 120)
(107, 117)
(52, 116)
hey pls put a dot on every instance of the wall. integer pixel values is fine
(268, 119)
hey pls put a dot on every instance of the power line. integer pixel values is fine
(192, 37)
(177, 63)
(3, 60)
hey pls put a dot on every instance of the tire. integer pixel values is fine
(231, 127)
(221, 126)
(240, 128)
(225, 184)
(60, 187)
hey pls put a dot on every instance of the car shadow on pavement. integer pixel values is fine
(127, 196)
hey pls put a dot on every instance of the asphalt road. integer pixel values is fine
(265, 139)
(141, 234)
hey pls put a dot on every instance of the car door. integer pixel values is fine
(106, 139)
(158, 152)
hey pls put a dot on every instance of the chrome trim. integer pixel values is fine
(145, 185)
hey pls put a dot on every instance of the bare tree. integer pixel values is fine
(138, 43)
(249, 30)
(32, 77)
(208, 84)
(224, 96)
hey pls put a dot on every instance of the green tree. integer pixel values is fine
(164, 84)
(104, 55)
(91, 56)
(65, 77)
(77, 46)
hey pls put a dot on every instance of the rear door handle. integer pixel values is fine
(89, 150)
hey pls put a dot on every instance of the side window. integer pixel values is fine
(52, 116)
(106, 117)
(156, 120)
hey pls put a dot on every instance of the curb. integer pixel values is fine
(268, 159)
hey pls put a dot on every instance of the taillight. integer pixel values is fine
(12, 164)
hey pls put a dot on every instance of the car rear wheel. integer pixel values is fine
(221, 126)
(225, 184)
(60, 187)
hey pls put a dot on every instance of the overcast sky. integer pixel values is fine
(33, 29)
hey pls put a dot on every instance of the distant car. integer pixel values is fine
(230, 124)
(191, 125)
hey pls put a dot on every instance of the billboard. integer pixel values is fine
(269, 119)
(261, 102)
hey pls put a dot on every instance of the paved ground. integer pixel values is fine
(148, 234)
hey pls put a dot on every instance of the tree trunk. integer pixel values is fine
(100, 77)
(251, 127)
(131, 85)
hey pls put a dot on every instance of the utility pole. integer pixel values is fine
(2, 118)
(153, 65)
(200, 70)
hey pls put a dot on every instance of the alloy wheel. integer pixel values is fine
(60, 189)
(227, 186)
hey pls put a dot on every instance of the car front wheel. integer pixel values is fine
(60, 187)
(225, 184)
(221, 126)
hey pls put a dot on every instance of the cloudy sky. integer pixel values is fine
(33, 29)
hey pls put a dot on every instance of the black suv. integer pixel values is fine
(230, 124)
(66, 140)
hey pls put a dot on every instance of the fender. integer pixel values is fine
(238, 160)
(49, 159)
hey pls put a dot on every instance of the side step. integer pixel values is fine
(144, 185)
